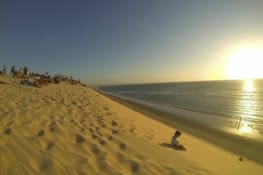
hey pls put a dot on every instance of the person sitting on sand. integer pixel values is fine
(175, 142)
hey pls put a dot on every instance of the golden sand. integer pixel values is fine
(65, 129)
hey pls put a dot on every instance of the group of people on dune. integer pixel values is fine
(37, 79)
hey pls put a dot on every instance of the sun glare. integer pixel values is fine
(248, 86)
(245, 129)
(246, 63)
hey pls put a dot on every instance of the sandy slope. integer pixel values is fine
(65, 129)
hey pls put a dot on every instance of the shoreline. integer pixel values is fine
(245, 147)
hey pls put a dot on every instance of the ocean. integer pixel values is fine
(234, 106)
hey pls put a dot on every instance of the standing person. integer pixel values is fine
(25, 70)
(13, 69)
(4, 70)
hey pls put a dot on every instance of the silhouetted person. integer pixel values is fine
(4, 70)
(13, 69)
(25, 70)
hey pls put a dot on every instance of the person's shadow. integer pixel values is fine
(178, 147)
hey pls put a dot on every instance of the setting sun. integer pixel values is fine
(246, 63)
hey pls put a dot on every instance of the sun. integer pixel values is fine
(245, 63)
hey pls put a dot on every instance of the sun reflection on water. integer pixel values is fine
(245, 128)
(247, 105)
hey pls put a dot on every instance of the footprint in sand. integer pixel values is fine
(53, 127)
(96, 150)
(9, 124)
(135, 166)
(102, 163)
(114, 131)
(120, 157)
(132, 129)
(45, 164)
(94, 136)
(100, 134)
(114, 123)
(8, 131)
(102, 142)
(122, 146)
(103, 125)
(74, 103)
(79, 139)
(50, 145)
(109, 113)
(72, 121)
(41, 133)
(99, 117)
(110, 137)
(52, 124)
(91, 130)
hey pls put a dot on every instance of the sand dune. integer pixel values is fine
(65, 129)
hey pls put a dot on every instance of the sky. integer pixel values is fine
(135, 41)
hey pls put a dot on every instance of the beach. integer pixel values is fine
(240, 145)
(71, 129)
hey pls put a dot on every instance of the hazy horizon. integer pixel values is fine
(102, 42)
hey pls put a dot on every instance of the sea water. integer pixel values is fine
(234, 106)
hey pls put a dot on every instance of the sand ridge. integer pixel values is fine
(66, 129)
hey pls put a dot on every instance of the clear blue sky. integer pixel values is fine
(136, 41)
